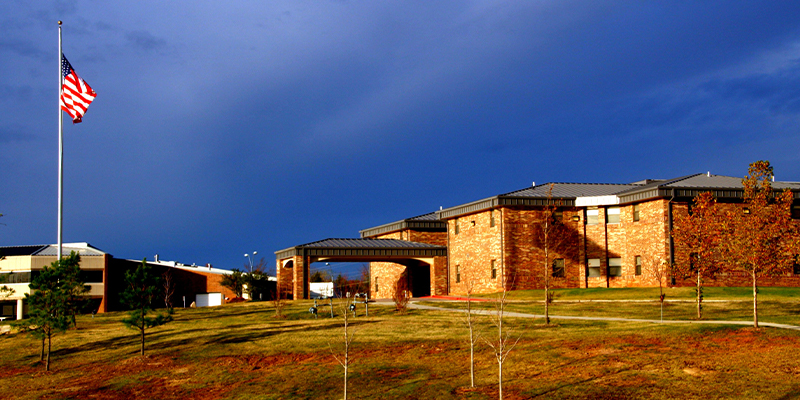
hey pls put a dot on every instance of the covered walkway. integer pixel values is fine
(426, 264)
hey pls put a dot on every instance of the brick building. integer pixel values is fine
(104, 275)
(611, 233)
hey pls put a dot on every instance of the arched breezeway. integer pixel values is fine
(421, 267)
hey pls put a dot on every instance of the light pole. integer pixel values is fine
(251, 260)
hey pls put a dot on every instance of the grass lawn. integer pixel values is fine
(240, 351)
(779, 305)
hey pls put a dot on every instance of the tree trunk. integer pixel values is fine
(699, 297)
(142, 350)
(500, 379)
(41, 354)
(755, 301)
(546, 303)
(47, 363)
(471, 356)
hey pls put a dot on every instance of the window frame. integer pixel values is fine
(590, 267)
(493, 269)
(615, 216)
(636, 213)
(637, 260)
(592, 216)
(609, 266)
(458, 273)
(559, 271)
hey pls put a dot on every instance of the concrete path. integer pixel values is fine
(653, 321)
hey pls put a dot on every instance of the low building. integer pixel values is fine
(611, 231)
(105, 277)
(19, 264)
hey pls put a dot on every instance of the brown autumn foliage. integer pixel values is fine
(698, 234)
(760, 239)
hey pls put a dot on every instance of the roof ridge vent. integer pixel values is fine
(708, 174)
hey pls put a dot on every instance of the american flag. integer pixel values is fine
(76, 94)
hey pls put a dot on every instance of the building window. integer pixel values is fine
(638, 265)
(795, 212)
(614, 267)
(558, 268)
(458, 274)
(20, 277)
(91, 276)
(558, 216)
(594, 267)
(491, 218)
(591, 217)
(376, 284)
(494, 270)
(456, 228)
(635, 212)
(612, 215)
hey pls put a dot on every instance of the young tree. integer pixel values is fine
(76, 290)
(256, 284)
(550, 237)
(234, 281)
(343, 355)
(169, 288)
(655, 265)
(278, 301)
(48, 302)
(141, 286)
(760, 238)
(698, 234)
(502, 344)
(471, 321)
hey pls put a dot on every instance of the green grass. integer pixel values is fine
(241, 351)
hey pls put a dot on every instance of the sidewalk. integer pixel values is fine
(567, 317)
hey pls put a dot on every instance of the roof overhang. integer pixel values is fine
(363, 248)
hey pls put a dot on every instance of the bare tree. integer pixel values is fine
(549, 236)
(343, 356)
(471, 320)
(169, 288)
(502, 344)
(655, 265)
(279, 301)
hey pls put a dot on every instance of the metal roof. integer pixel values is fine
(20, 250)
(563, 194)
(429, 222)
(723, 187)
(571, 190)
(83, 250)
(363, 248)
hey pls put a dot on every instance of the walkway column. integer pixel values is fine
(19, 309)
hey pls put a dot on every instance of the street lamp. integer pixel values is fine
(251, 260)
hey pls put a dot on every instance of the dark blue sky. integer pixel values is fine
(226, 127)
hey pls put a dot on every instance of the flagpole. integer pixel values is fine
(60, 142)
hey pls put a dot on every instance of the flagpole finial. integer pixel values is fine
(59, 23)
